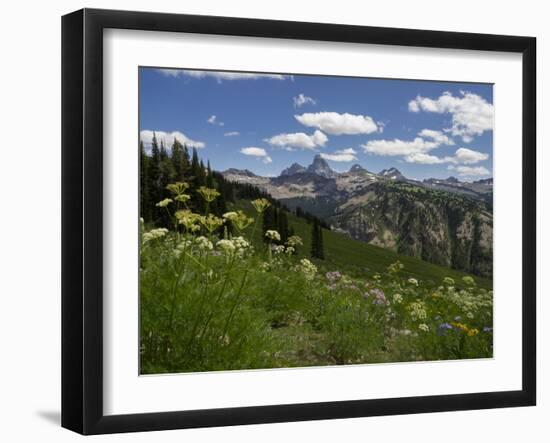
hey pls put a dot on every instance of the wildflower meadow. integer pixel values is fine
(218, 292)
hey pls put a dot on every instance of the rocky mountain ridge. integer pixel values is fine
(444, 221)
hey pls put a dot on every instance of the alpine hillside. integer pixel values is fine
(443, 221)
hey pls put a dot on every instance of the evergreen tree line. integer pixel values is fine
(277, 219)
(160, 168)
(317, 247)
(310, 218)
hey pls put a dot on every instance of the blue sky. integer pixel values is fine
(265, 123)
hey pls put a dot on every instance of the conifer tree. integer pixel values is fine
(317, 249)
(153, 178)
(177, 157)
(320, 245)
(283, 226)
(144, 183)
(166, 176)
(268, 221)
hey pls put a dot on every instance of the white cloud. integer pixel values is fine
(413, 106)
(146, 137)
(416, 151)
(219, 75)
(232, 134)
(462, 156)
(342, 155)
(213, 120)
(299, 140)
(257, 152)
(469, 156)
(399, 147)
(471, 114)
(338, 124)
(424, 159)
(436, 136)
(302, 100)
(469, 171)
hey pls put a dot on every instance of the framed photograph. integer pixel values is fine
(269, 221)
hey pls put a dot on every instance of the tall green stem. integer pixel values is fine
(218, 298)
(175, 288)
(235, 303)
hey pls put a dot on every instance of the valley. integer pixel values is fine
(442, 221)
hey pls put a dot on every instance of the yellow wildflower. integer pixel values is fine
(210, 222)
(177, 188)
(260, 204)
(208, 194)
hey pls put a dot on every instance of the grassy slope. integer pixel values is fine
(359, 258)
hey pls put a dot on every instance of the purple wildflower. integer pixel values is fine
(443, 327)
(333, 276)
(487, 329)
(379, 297)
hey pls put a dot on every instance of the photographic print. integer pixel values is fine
(295, 220)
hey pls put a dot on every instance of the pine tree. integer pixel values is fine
(209, 176)
(144, 183)
(320, 245)
(178, 163)
(153, 179)
(317, 248)
(268, 221)
(186, 160)
(163, 154)
(283, 226)
(166, 176)
(314, 239)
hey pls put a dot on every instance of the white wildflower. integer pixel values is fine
(272, 235)
(230, 215)
(226, 246)
(154, 234)
(448, 281)
(164, 203)
(294, 240)
(241, 246)
(423, 327)
(203, 243)
(413, 281)
(397, 298)
(308, 269)
(417, 311)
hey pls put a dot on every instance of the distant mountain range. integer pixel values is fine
(444, 221)
(291, 180)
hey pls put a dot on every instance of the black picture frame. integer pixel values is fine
(82, 218)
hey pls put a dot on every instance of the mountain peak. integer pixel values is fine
(437, 181)
(319, 166)
(485, 181)
(392, 173)
(295, 168)
(357, 168)
(243, 172)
